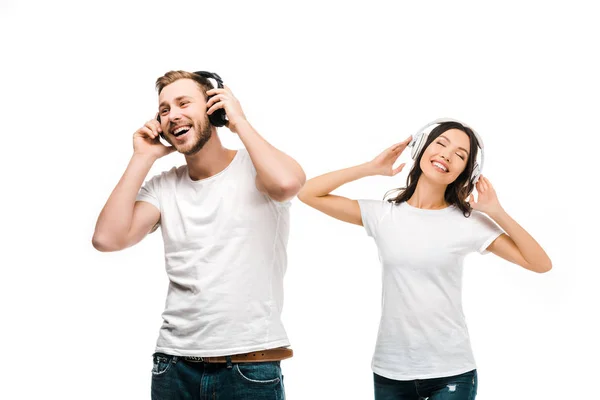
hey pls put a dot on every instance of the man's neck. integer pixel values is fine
(212, 159)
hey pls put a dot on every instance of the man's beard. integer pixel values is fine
(201, 138)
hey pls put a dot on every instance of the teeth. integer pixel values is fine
(440, 166)
(181, 128)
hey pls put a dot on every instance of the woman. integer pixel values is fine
(423, 235)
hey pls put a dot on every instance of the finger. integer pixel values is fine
(396, 155)
(484, 184)
(402, 145)
(392, 148)
(488, 183)
(215, 107)
(147, 132)
(471, 200)
(215, 91)
(398, 169)
(152, 126)
(156, 125)
(214, 99)
(479, 187)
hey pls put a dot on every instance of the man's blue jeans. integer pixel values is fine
(458, 387)
(174, 378)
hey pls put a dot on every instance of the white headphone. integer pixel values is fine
(419, 140)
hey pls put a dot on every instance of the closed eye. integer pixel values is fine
(441, 144)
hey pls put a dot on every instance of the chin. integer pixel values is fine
(434, 175)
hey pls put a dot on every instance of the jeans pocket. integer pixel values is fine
(161, 363)
(260, 373)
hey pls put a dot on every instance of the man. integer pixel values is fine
(224, 218)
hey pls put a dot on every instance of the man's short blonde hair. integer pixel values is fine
(172, 76)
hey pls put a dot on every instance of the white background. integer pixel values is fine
(332, 84)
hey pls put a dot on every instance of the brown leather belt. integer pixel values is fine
(277, 354)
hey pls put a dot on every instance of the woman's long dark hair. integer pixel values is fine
(456, 192)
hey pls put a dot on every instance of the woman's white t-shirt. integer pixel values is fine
(422, 332)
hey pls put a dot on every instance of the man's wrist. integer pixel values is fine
(144, 157)
(239, 125)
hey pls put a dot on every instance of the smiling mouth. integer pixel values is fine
(439, 166)
(181, 131)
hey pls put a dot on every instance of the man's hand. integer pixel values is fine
(224, 98)
(146, 141)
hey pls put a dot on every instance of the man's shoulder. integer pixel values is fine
(170, 174)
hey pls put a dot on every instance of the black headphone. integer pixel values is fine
(218, 118)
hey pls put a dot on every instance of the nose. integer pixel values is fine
(445, 155)
(174, 114)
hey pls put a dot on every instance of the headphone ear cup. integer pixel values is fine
(162, 135)
(417, 145)
(218, 118)
(162, 138)
(475, 174)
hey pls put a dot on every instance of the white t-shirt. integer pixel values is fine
(422, 332)
(225, 256)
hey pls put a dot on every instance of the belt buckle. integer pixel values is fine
(194, 359)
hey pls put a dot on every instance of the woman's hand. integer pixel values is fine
(383, 164)
(487, 200)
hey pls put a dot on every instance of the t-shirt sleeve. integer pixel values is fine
(149, 192)
(484, 231)
(371, 212)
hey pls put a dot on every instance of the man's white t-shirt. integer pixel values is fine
(422, 332)
(225, 256)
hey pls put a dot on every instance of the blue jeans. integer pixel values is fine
(174, 378)
(458, 387)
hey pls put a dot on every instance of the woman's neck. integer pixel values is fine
(428, 195)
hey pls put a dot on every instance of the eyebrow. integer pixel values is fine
(164, 103)
(460, 148)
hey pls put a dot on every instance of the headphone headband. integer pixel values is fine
(211, 75)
